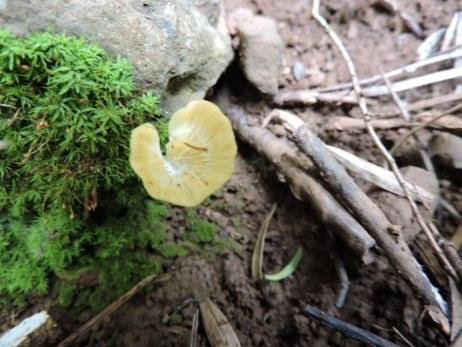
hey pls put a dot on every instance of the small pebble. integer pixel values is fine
(298, 71)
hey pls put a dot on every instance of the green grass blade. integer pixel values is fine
(288, 269)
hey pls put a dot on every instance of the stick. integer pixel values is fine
(415, 82)
(348, 329)
(379, 176)
(424, 125)
(405, 114)
(306, 97)
(303, 186)
(194, 328)
(402, 337)
(387, 155)
(440, 99)
(372, 173)
(452, 53)
(449, 123)
(107, 311)
(387, 236)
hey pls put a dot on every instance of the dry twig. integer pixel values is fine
(303, 186)
(406, 116)
(415, 82)
(437, 100)
(366, 116)
(379, 176)
(424, 125)
(306, 97)
(194, 328)
(349, 330)
(387, 236)
(107, 311)
(402, 337)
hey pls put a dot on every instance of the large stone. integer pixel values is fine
(261, 49)
(178, 47)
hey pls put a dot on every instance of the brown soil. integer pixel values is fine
(270, 314)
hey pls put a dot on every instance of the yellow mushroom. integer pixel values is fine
(199, 160)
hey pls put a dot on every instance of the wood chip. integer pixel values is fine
(219, 332)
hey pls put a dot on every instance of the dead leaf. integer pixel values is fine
(219, 332)
(257, 256)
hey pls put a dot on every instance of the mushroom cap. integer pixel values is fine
(199, 160)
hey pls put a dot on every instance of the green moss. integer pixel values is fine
(175, 319)
(74, 220)
(71, 112)
(204, 237)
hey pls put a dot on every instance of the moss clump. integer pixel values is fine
(74, 220)
(71, 112)
(70, 206)
(203, 237)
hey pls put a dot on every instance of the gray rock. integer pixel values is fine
(178, 47)
(446, 149)
(260, 50)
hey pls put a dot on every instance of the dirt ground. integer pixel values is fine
(270, 314)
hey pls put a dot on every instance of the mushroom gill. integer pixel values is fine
(199, 158)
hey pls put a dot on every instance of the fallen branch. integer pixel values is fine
(348, 329)
(424, 284)
(379, 176)
(303, 186)
(369, 215)
(372, 173)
